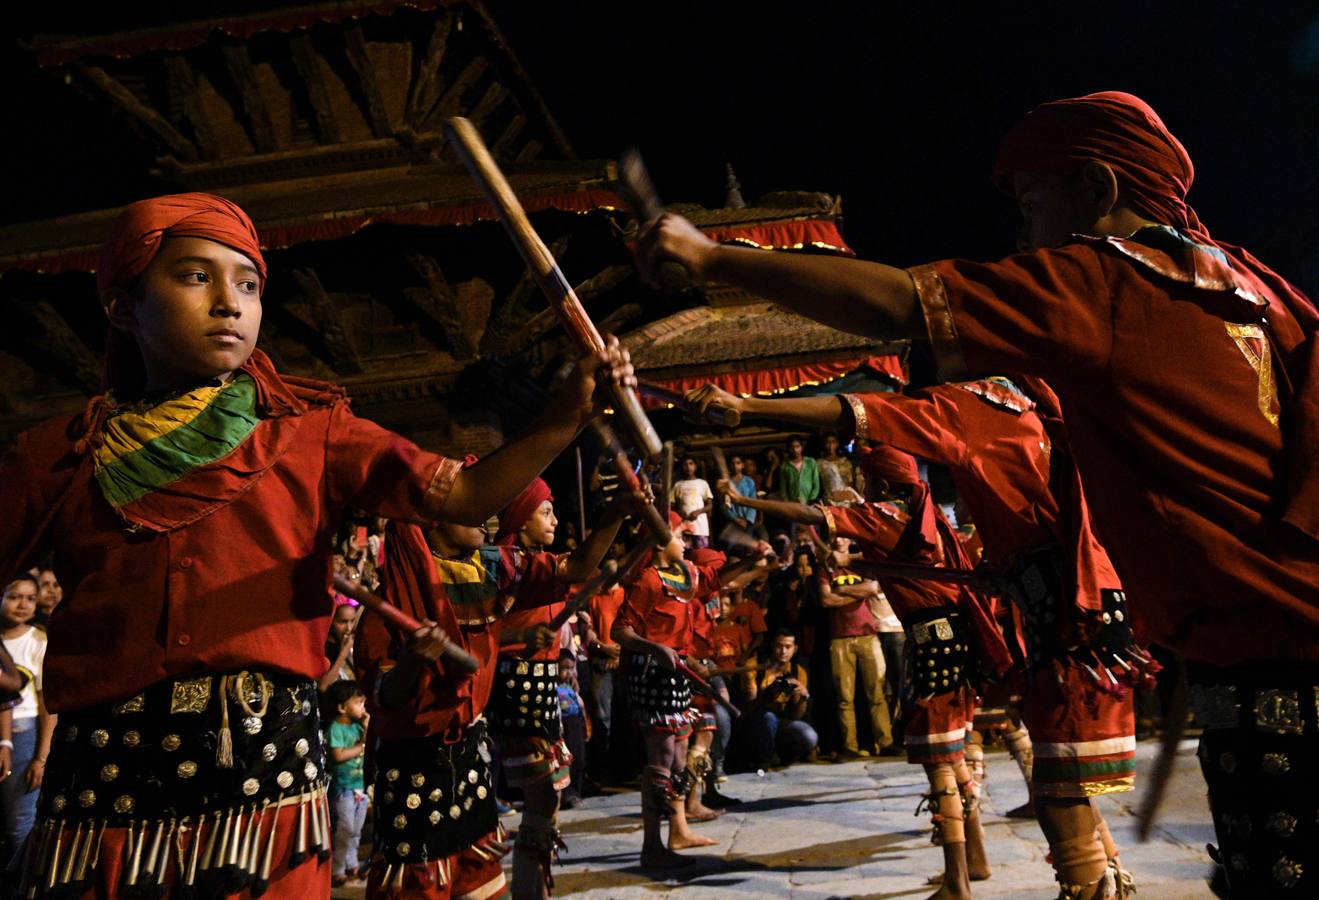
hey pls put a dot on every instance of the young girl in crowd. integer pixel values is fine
(32, 725)
(345, 707)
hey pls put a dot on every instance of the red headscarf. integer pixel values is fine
(516, 514)
(134, 241)
(140, 228)
(1120, 129)
(894, 466)
(1156, 173)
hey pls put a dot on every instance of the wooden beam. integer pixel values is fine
(325, 315)
(494, 95)
(616, 320)
(139, 112)
(439, 302)
(428, 83)
(501, 148)
(183, 82)
(450, 102)
(501, 335)
(254, 106)
(587, 291)
(56, 339)
(310, 68)
(358, 57)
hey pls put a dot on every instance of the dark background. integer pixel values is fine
(897, 107)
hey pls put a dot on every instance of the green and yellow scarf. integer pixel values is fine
(146, 448)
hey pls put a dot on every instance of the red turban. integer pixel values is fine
(516, 514)
(894, 466)
(1153, 168)
(140, 228)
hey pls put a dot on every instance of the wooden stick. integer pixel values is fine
(719, 415)
(665, 500)
(581, 497)
(472, 151)
(658, 525)
(703, 687)
(638, 192)
(454, 655)
(601, 582)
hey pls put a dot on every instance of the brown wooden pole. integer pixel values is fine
(454, 655)
(546, 272)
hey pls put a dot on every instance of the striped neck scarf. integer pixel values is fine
(146, 448)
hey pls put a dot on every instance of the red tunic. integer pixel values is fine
(1168, 388)
(540, 596)
(242, 583)
(998, 446)
(442, 703)
(658, 610)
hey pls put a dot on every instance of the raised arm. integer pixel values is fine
(793, 512)
(485, 488)
(862, 297)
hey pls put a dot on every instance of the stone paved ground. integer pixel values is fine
(833, 831)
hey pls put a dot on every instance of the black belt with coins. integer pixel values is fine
(432, 798)
(656, 694)
(524, 701)
(227, 747)
(1257, 752)
(940, 659)
(1038, 583)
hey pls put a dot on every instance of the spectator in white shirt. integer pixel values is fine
(694, 501)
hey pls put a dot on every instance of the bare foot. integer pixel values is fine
(689, 839)
(699, 812)
(946, 893)
(662, 858)
(937, 877)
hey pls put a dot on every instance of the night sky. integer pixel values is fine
(897, 107)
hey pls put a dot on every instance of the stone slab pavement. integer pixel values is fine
(816, 832)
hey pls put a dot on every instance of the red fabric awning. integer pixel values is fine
(793, 234)
(782, 379)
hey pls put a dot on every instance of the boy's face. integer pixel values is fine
(539, 530)
(1053, 208)
(461, 539)
(355, 708)
(737, 464)
(689, 468)
(50, 593)
(567, 665)
(830, 445)
(345, 620)
(804, 569)
(673, 551)
(196, 313)
(20, 603)
(794, 450)
(749, 466)
(725, 606)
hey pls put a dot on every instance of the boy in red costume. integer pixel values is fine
(1006, 450)
(949, 634)
(190, 511)
(657, 627)
(1189, 379)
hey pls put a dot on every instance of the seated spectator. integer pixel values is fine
(344, 705)
(31, 724)
(778, 732)
(853, 646)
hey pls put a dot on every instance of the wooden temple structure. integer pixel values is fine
(388, 272)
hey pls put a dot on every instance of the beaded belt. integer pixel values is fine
(525, 699)
(941, 660)
(434, 798)
(655, 692)
(221, 747)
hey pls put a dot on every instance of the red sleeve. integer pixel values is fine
(865, 524)
(377, 470)
(757, 617)
(1046, 313)
(638, 601)
(541, 583)
(928, 424)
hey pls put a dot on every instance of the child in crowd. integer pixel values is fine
(345, 707)
(31, 725)
(572, 716)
